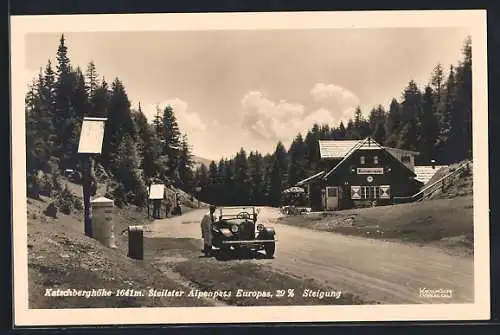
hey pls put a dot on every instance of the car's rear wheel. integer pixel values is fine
(270, 248)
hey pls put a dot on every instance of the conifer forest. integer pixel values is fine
(435, 120)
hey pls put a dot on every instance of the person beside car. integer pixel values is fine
(206, 230)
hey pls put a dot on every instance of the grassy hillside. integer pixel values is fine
(60, 256)
(460, 186)
(446, 223)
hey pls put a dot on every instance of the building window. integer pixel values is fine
(362, 160)
(375, 159)
(405, 159)
(331, 192)
(370, 192)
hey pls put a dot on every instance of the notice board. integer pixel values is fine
(91, 136)
(157, 191)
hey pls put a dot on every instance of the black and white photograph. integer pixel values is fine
(250, 167)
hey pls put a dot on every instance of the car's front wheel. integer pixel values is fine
(270, 248)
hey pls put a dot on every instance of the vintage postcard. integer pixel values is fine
(250, 167)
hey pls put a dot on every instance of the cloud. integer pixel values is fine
(188, 122)
(283, 120)
(321, 116)
(268, 120)
(333, 97)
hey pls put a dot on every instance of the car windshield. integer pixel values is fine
(226, 213)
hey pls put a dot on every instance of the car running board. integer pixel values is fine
(249, 242)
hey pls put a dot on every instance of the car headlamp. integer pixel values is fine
(260, 227)
(234, 228)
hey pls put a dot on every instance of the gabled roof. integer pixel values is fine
(335, 148)
(304, 181)
(402, 151)
(366, 144)
(338, 149)
(425, 173)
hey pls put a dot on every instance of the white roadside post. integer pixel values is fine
(102, 221)
(91, 136)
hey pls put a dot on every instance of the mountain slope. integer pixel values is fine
(200, 160)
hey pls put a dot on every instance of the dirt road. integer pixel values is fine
(387, 272)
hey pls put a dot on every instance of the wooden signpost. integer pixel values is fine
(91, 137)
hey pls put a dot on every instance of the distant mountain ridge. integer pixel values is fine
(200, 160)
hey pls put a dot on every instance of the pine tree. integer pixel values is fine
(446, 139)
(311, 148)
(132, 186)
(92, 78)
(213, 186)
(437, 80)
(280, 155)
(297, 164)
(377, 120)
(99, 100)
(341, 131)
(411, 115)
(46, 102)
(158, 123)
(255, 173)
(241, 178)
(203, 182)
(149, 145)
(186, 164)
(275, 185)
(172, 145)
(463, 110)
(393, 123)
(380, 134)
(229, 190)
(119, 123)
(430, 126)
(64, 118)
(220, 197)
(48, 92)
(38, 149)
(80, 98)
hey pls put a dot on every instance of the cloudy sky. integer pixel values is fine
(232, 89)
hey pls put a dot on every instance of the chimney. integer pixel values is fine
(433, 163)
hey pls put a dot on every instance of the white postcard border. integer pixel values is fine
(476, 19)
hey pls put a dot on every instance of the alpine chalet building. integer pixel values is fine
(362, 173)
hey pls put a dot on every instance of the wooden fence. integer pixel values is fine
(441, 184)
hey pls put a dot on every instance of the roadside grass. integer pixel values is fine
(248, 274)
(445, 223)
(60, 256)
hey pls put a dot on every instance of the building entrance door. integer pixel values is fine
(332, 198)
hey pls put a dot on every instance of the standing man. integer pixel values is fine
(206, 230)
(178, 203)
(156, 208)
(168, 206)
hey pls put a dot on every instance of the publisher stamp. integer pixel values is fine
(435, 293)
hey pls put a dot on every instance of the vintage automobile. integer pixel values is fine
(236, 229)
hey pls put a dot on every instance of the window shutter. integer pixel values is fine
(355, 192)
(385, 192)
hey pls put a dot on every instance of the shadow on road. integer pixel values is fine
(239, 255)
